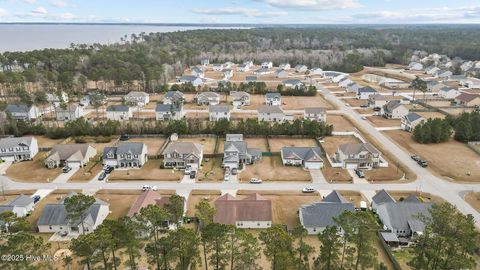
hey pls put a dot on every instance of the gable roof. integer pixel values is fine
(21, 201)
(18, 108)
(253, 208)
(272, 95)
(69, 151)
(366, 89)
(400, 215)
(239, 95)
(183, 148)
(392, 105)
(118, 108)
(173, 95)
(467, 97)
(269, 109)
(218, 108)
(143, 200)
(382, 197)
(322, 214)
(412, 117)
(335, 197)
(356, 148)
(168, 108)
(315, 110)
(15, 141)
(135, 148)
(304, 153)
(208, 95)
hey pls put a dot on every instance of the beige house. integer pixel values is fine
(468, 100)
(394, 109)
(252, 212)
(179, 155)
(315, 114)
(71, 155)
(410, 121)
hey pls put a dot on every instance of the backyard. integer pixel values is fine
(150, 171)
(272, 169)
(153, 144)
(276, 144)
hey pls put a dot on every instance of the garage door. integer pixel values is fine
(351, 166)
(8, 159)
(313, 165)
(74, 164)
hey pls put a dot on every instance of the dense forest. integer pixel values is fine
(153, 59)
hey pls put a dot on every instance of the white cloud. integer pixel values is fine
(58, 3)
(29, 1)
(313, 5)
(66, 16)
(3, 13)
(40, 10)
(246, 12)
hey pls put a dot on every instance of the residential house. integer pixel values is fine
(166, 112)
(137, 98)
(281, 74)
(197, 72)
(195, 81)
(240, 99)
(228, 65)
(403, 217)
(434, 86)
(21, 206)
(126, 155)
(443, 73)
(472, 83)
(227, 73)
(243, 68)
(85, 101)
(179, 155)
(218, 67)
(252, 212)
(339, 77)
(393, 83)
(410, 121)
(365, 92)
(23, 112)
(315, 114)
(316, 71)
(415, 66)
(18, 149)
(301, 68)
(345, 82)
(236, 152)
(448, 93)
(119, 112)
(248, 63)
(271, 113)
(207, 98)
(262, 71)
(71, 155)
(54, 218)
(292, 83)
(70, 112)
(317, 216)
(143, 200)
(273, 99)
(56, 100)
(358, 156)
(380, 197)
(353, 87)
(377, 101)
(394, 109)
(284, 66)
(218, 112)
(267, 65)
(205, 62)
(331, 74)
(173, 97)
(307, 157)
(467, 100)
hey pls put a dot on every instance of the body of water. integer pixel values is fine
(27, 37)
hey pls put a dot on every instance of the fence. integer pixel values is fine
(396, 265)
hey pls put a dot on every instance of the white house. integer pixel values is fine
(198, 72)
(410, 121)
(56, 100)
(217, 67)
(252, 212)
(207, 98)
(21, 206)
(273, 99)
(267, 65)
(248, 63)
(23, 112)
(195, 81)
(281, 73)
(71, 155)
(415, 66)
(394, 109)
(240, 99)
(358, 155)
(172, 97)
(301, 68)
(70, 112)
(126, 155)
(376, 101)
(345, 82)
(179, 155)
(284, 66)
(271, 113)
(243, 68)
(307, 157)
(315, 114)
(448, 93)
(218, 112)
(262, 71)
(18, 149)
(119, 113)
(365, 92)
(292, 83)
(205, 62)
(137, 98)
(227, 73)
(166, 112)
(316, 71)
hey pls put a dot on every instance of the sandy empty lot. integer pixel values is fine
(331, 143)
(150, 171)
(208, 143)
(119, 203)
(47, 142)
(260, 143)
(355, 102)
(276, 144)
(197, 115)
(33, 171)
(428, 115)
(299, 103)
(153, 144)
(340, 123)
(379, 121)
(451, 159)
(272, 169)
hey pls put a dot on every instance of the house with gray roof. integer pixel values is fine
(71, 155)
(137, 98)
(197, 72)
(353, 87)
(281, 74)
(380, 197)
(394, 109)
(69, 112)
(21, 206)
(271, 114)
(239, 99)
(317, 216)
(195, 81)
(54, 218)
(167, 112)
(119, 112)
(273, 99)
(448, 93)
(307, 157)
(404, 217)
(243, 68)
(18, 149)
(376, 101)
(301, 68)
(410, 121)
(207, 98)
(218, 112)
(23, 112)
(171, 97)
(358, 156)
(126, 155)
(284, 66)
(365, 92)
(293, 83)
(236, 152)
(180, 155)
(267, 64)
(315, 114)
(262, 71)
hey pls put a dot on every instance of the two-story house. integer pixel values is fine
(315, 114)
(267, 65)
(207, 98)
(240, 99)
(365, 92)
(301, 68)
(18, 149)
(271, 114)
(243, 68)
(137, 98)
(173, 97)
(166, 112)
(236, 152)
(394, 109)
(126, 155)
(23, 112)
(119, 112)
(273, 99)
(197, 72)
(376, 101)
(56, 99)
(410, 121)
(69, 112)
(218, 112)
(179, 155)
(358, 156)
(281, 74)
(195, 81)
(285, 66)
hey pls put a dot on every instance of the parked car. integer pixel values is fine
(226, 177)
(146, 187)
(36, 198)
(377, 109)
(102, 176)
(188, 169)
(193, 174)
(415, 157)
(364, 118)
(255, 181)
(308, 190)
(422, 163)
(359, 173)
(234, 171)
(66, 169)
(124, 137)
(108, 169)
(364, 106)
(63, 234)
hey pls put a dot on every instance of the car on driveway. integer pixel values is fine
(415, 157)
(255, 181)
(66, 169)
(422, 163)
(102, 176)
(108, 169)
(36, 198)
(364, 118)
(359, 173)
(308, 190)
(193, 174)
(124, 137)
(146, 187)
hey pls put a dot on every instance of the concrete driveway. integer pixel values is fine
(317, 176)
(63, 178)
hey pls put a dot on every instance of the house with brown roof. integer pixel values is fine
(252, 212)
(468, 100)
(143, 200)
(71, 155)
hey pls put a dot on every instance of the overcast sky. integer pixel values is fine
(246, 11)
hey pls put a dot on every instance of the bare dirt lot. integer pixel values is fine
(340, 123)
(153, 144)
(150, 171)
(276, 144)
(44, 142)
(208, 143)
(336, 175)
(197, 115)
(33, 171)
(198, 195)
(260, 143)
(474, 200)
(120, 203)
(272, 169)
(379, 121)
(331, 143)
(425, 197)
(299, 103)
(355, 102)
(451, 159)
(428, 115)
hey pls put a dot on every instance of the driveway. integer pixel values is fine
(317, 176)
(4, 166)
(63, 178)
